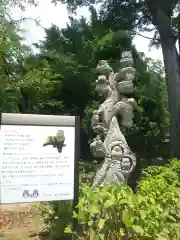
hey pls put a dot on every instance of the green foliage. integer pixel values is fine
(70, 55)
(11, 49)
(152, 123)
(147, 16)
(88, 115)
(115, 211)
(132, 14)
(112, 44)
(169, 172)
(35, 83)
(61, 78)
(56, 216)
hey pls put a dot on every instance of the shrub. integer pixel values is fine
(56, 216)
(116, 212)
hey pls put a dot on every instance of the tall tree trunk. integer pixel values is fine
(172, 69)
(25, 106)
(179, 35)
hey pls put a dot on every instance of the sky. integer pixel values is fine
(49, 14)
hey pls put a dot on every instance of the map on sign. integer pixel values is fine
(36, 163)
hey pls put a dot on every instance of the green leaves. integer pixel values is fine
(112, 44)
(113, 212)
(101, 223)
(139, 230)
(127, 219)
(94, 209)
(110, 202)
(68, 229)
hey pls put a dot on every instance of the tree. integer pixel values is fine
(165, 17)
(152, 123)
(74, 53)
(35, 82)
(12, 50)
(61, 78)
(24, 78)
(162, 18)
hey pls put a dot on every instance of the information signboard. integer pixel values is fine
(38, 158)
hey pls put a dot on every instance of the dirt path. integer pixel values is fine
(19, 222)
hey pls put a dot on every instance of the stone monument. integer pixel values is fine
(115, 112)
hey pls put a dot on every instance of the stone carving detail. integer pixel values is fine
(116, 111)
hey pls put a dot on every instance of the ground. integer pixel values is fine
(19, 222)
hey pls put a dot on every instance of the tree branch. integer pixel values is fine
(141, 35)
(37, 22)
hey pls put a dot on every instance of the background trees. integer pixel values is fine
(60, 79)
(149, 15)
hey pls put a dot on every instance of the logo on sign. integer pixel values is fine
(27, 194)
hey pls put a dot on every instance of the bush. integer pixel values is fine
(116, 212)
(56, 216)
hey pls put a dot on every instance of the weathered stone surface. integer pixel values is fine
(114, 112)
(125, 87)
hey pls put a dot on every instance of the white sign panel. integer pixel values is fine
(36, 163)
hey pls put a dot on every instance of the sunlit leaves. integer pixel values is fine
(149, 213)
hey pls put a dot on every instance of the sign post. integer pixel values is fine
(39, 157)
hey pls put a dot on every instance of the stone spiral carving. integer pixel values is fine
(116, 111)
